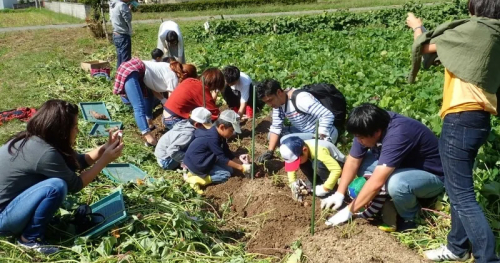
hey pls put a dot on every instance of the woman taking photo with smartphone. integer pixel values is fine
(38, 169)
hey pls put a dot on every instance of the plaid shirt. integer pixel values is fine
(125, 69)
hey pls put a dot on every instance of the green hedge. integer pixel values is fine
(214, 4)
(341, 20)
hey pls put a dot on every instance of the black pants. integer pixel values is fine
(308, 170)
(233, 97)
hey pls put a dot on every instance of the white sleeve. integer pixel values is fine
(244, 87)
(310, 105)
(162, 33)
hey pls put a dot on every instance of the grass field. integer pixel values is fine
(243, 220)
(322, 5)
(34, 17)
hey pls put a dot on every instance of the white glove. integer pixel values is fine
(334, 200)
(321, 191)
(245, 158)
(247, 168)
(341, 217)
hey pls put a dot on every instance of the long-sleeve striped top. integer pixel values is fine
(305, 122)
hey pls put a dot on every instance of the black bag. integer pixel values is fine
(84, 219)
(330, 97)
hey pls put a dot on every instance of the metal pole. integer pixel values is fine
(313, 218)
(203, 91)
(253, 127)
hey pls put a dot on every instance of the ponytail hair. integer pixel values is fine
(183, 71)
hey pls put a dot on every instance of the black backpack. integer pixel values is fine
(84, 219)
(330, 97)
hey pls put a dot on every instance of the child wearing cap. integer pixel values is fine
(301, 154)
(208, 158)
(171, 147)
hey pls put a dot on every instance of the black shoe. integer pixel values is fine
(38, 246)
(404, 225)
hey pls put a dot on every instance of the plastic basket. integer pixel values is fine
(99, 128)
(98, 107)
(112, 207)
(123, 172)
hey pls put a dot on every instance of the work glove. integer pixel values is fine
(268, 155)
(334, 200)
(247, 168)
(244, 158)
(321, 191)
(299, 190)
(341, 217)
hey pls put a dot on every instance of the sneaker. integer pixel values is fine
(404, 225)
(442, 254)
(38, 246)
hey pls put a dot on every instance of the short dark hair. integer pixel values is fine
(367, 119)
(231, 74)
(171, 37)
(226, 124)
(156, 53)
(168, 59)
(267, 87)
(485, 8)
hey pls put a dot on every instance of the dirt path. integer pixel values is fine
(202, 18)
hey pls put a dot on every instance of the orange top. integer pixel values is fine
(459, 96)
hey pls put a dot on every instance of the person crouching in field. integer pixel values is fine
(238, 92)
(301, 154)
(208, 158)
(469, 49)
(39, 168)
(171, 147)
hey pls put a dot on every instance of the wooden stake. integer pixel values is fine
(313, 217)
(253, 128)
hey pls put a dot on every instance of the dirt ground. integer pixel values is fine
(272, 220)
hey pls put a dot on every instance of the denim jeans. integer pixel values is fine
(405, 186)
(169, 164)
(461, 137)
(143, 107)
(31, 211)
(123, 45)
(220, 174)
(169, 122)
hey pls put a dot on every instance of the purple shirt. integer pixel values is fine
(407, 143)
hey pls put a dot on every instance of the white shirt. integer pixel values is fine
(159, 77)
(178, 51)
(243, 86)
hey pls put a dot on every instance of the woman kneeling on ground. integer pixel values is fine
(38, 169)
(189, 95)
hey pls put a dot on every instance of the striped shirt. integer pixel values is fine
(305, 122)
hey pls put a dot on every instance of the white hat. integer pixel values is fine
(203, 116)
(233, 118)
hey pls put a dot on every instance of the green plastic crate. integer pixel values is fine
(99, 128)
(98, 107)
(112, 207)
(123, 172)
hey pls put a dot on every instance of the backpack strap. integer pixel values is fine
(294, 99)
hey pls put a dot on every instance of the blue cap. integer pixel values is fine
(291, 150)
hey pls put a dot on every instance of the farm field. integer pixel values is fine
(34, 17)
(367, 56)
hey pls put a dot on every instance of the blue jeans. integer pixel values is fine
(123, 45)
(171, 121)
(405, 186)
(143, 107)
(169, 164)
(461, 137)
(31, 211)
(220, 174)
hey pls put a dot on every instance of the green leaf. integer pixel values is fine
(295, 257)
(491, 189)
(106, 246)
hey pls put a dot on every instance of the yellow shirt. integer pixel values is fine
(459, 96)
(330, 163)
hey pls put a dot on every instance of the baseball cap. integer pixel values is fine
(233, 118)
(203, 116)
(291, 149)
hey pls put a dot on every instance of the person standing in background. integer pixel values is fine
(121, 20)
